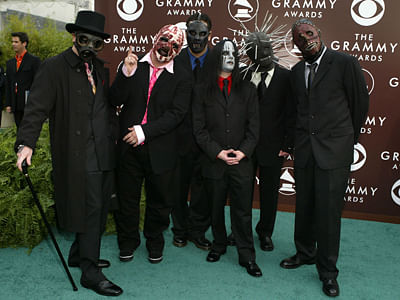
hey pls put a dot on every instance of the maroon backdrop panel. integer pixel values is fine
(363, 28)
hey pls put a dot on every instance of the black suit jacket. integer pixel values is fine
(329, 118)
(277, 118)
(167, 107)
(23, 78)
(186, 138)
(220, 126)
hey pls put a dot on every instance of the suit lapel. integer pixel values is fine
(323, 68)
(23, 62)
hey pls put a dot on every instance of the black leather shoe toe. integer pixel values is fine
(179, 241)
(102, 263)
(126, 255)
(252, 268)
(294, 262)
(266, 244)
(105, 288)
(201, 242)
(213, 256)
(330, 287)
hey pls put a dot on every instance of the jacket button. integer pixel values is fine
(312, 133)
(312, 116)
(78, 132)
(228, 131)
(78, 70)
(227, 115)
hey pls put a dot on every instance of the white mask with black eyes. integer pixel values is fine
(228, 57)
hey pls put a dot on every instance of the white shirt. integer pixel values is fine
(256, 77)
(307, 66)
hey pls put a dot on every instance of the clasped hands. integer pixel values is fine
(131, 137)
(231, 157)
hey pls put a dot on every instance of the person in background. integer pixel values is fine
(226, 127)
(71, 90)
(332, 104)
(154, 92)
(20, 72)
(190, 222)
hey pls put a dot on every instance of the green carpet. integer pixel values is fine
(369, 265)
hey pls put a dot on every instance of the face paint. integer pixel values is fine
(88, 45)
(168, 43)
(307, 39)
(228, 57)
(197, 36)
(260, 51)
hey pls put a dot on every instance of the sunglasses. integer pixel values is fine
(85, 40)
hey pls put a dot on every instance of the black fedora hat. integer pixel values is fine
(90, 22)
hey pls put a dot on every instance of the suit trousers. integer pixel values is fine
(85, 250)
(191, 220)
(269, 177)
(134, 167)
(238, 187)
(319, 204)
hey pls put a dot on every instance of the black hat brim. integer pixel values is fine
(71, 28)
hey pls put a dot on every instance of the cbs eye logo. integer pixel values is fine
(359, 157)
(130, 10)
(367, 12)
(395, 192)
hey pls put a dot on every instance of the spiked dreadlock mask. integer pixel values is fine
(197, 36)
(260, 51)
(307, 37)
(168, 43)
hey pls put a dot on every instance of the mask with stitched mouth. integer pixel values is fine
(168, 43)
(307, 38)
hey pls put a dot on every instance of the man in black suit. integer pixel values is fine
(20, 72)
(226, 127)
(191, 222)
(154, 92)
(277, 117)
(71, 90)
(332, 104)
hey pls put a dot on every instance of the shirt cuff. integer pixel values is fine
(139, 134)
(125, 71)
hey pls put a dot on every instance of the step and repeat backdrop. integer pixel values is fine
(366, 29)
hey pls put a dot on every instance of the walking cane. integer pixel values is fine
(39, 206)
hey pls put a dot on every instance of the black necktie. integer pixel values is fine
(311, 75)
(196, 70)
(225, 90)
(262, 87)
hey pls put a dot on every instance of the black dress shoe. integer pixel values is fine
(125, 255)
(105, 288)
(155, 257)
(231, 240)
(266, 244)
(102, 263)
(330, 287)
(179, 241)
(252, 268)
(201, 242)
(295, 262)
(214, 256)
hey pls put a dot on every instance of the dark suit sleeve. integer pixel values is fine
(357, 93)
(120, 88)
(250, 141)
(41, 101)
(290, 119)
(201, 134)
(8, 85)
(174, 114)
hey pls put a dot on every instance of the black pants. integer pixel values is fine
(85, 250)
(319, 205)
(238, 187)
(191, 220)
(269, 177)
(133, 168)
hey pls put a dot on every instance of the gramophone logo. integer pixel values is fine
(243, 10)
(359, 157)
(395, 192)
(288, 184)
(369, 79)
(367, 12)
(130, 10)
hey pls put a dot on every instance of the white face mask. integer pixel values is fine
(228, 58)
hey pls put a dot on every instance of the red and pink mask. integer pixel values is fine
(307, 38)
(168, 43)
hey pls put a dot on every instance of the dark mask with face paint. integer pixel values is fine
(308, 39)
(88, 45)
(197, 36)
(260, 51)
